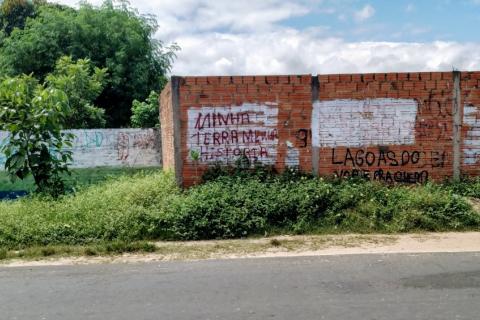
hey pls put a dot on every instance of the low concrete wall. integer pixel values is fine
(111, 148)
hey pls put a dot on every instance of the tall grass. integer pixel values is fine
(150, 206)
(127, 208)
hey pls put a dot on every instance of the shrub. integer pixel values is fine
(82, 83)
(151, 206)
(127, 208)
(146, 114)
(468, 187)
(238, 206)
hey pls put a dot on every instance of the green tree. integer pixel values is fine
(37, 47)
(146, 114)
(82, 83)
(34, 115)
(14, 14)
(113, 35)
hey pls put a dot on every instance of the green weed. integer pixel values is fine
(120, 215)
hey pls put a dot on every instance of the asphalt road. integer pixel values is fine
(426, 286)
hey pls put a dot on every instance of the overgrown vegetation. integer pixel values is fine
(14, 13)
(34, 35)
(145, 114)
(82, 84)
(468, 187)
(150, 207)
(34, 115)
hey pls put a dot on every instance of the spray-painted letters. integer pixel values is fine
(387, 165)
(226, 133)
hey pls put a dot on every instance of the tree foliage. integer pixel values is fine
(146, 114)
(82, 83)
(34, 114)
(112, 36)
(14, 14)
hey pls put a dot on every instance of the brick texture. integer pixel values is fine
(381, 153)
(391, 127)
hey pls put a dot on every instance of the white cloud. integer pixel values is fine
(225, 37)
(410, 7)
(365, 13)
(176, 17)
(294, 52)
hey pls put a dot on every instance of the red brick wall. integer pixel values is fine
(395, 127)
(427, 156)
(234, 100)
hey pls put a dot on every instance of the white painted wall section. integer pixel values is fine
(110, 148)
(471, 143)
(370, 122)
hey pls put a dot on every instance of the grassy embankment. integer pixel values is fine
(126, 213)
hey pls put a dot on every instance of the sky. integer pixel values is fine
(232, 37)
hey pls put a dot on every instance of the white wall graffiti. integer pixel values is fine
(110, 148)
(471, 143)
(370, 122)
(226, 133)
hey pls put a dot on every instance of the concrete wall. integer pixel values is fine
(395, 127)
(112, 148)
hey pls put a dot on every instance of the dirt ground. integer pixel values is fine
(283, 246)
